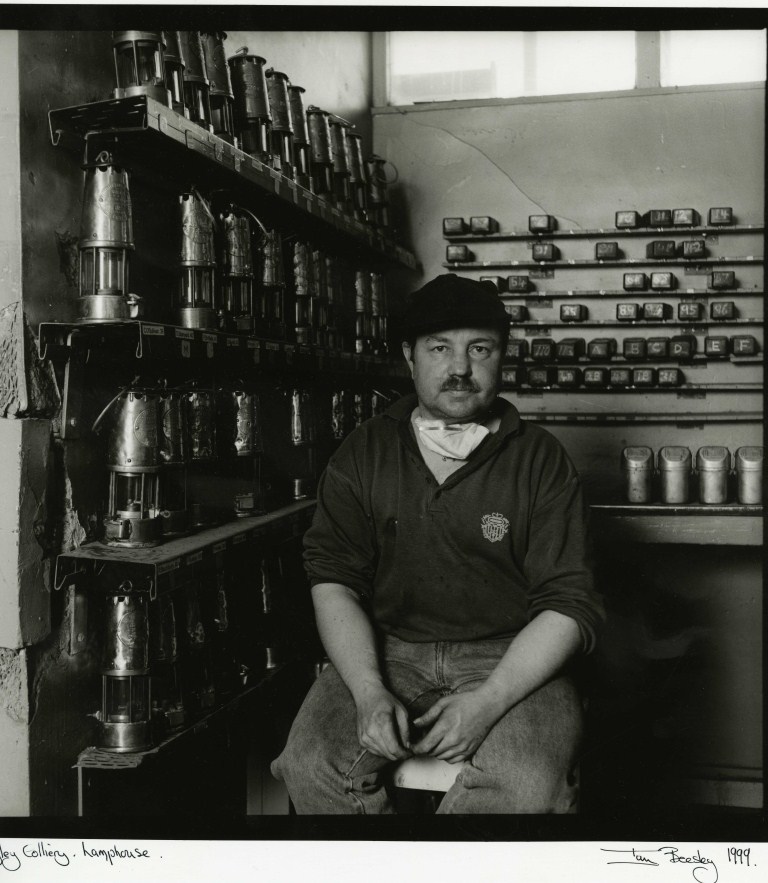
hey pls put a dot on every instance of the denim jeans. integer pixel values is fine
(525, 764)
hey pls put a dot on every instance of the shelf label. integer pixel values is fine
(185, 334)
(273, 347)
(220, 547)
(168, 566)
(240, 538)
(209, 338)
(194, 558)
(233, 341)
(153, 330)
(258, 532)
(186, 349)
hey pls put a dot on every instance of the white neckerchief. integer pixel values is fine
(453, 440)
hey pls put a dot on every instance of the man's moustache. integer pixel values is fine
(458, 386)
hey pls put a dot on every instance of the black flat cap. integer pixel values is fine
(451, 301)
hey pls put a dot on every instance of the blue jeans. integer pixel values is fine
(526, 764)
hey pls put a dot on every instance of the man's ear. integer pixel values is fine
(408, 355)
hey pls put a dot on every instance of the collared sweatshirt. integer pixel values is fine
(479, 556)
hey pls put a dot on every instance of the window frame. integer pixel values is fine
(647, 79)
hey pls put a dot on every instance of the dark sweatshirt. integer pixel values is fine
(501, 540)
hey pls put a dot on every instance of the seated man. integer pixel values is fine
(451, 584)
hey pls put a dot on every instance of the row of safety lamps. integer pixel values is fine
(673, 470)
(155, 436)
(231, 271)
(169, 658)
(256, 109)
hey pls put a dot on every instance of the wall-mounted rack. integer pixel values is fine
(582, 264)
(602, 232)
(166, 138)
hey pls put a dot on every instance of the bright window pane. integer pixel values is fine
(584, 61)
(690, 58)
(454, 66)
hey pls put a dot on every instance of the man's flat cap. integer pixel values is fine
(451, 301)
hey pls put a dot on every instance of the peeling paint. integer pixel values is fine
(13, 700)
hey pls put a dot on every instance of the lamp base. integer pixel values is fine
(108, 308)
(197, 317)
(124, 737)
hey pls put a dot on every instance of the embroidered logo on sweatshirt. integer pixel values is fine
(494, 526)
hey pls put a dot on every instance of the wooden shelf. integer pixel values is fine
(694, 524)
(605, 233)
(135, 338)
(173, 142)
(178, 554)
(602, 418)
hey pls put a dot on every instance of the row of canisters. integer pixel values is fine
(719, 216)
(718, 280)
(234, 274)
(154, 435)
(674, 470)
(256, 109)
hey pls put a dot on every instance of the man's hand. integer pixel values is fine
(458, 724)
(382, 724)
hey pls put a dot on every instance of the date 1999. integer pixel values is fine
(738, 856)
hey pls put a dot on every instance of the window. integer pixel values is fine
(703, 57)
(428, 66)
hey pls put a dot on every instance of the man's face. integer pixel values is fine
(457, 373)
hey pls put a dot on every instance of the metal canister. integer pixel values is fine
(238, 257)
(126, 632)
(253, 121)
(107, 218)
(713, 463)
(279, 107)
(198, 247)
(216, 63)
(301, 146)
(749, 475)
(338, 420)
(197, 86)
(244, 441)
(637, 465)
(675, 471)
(173, 440)
(174, 71)
(298, 426)
(133, 440)
(320, 154)
(201, 417)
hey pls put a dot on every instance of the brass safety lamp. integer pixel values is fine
(174, 71)
(106, 240)
(222, 97)
(126, 700)
(252, 118)
(238, 308)
(174, 445)
(282, 128)
(301, 146)
(197, 87)
(341, 163)
(321, 154)
(197, 295)
(139, 65)
(134, 464)
(358, 176)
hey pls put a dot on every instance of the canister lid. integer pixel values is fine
(749, 458)
(715, 457)
(673, 457)
(637, 457)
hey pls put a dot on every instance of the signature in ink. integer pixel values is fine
(702, 868)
